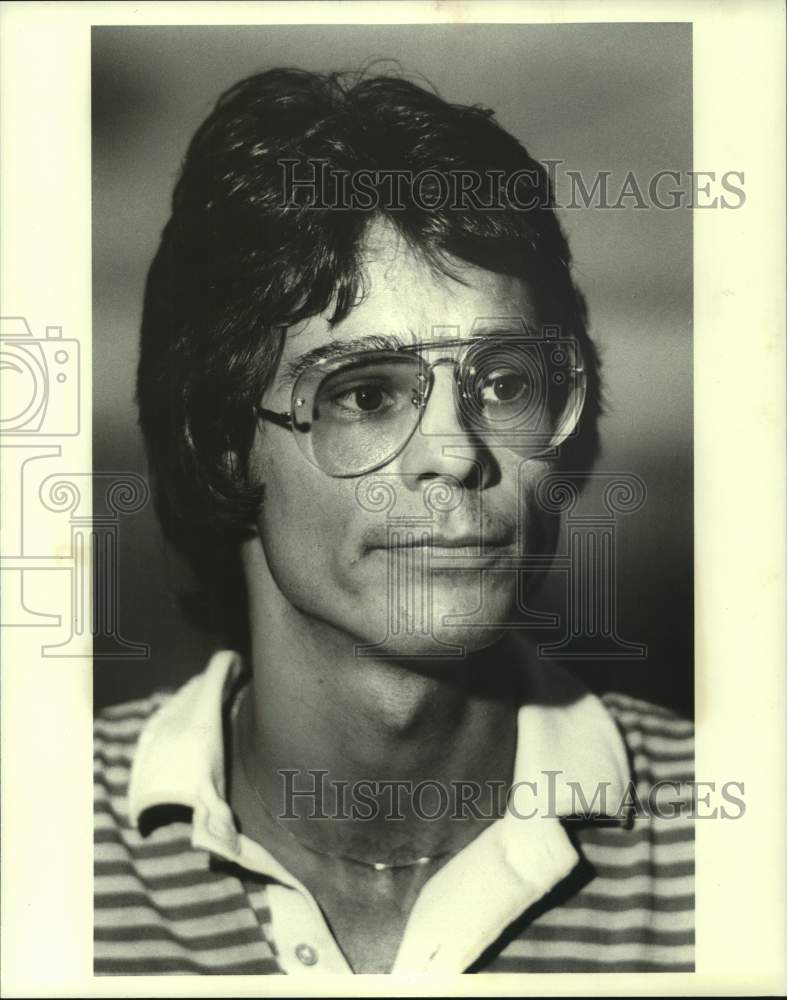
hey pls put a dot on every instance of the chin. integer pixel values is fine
(445, 647)
(453, 621)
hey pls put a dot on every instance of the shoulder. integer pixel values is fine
(645, 717)
(147, 884)
(659, 742)
(123, 855)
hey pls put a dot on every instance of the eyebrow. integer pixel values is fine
(337, 349)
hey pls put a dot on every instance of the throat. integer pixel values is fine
(401, 704)
(327, 777)
(367, 719)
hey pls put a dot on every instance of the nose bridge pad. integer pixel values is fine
(461, 397)
(422, 390)
(422, 393)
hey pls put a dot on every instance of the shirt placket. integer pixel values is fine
(304, 943)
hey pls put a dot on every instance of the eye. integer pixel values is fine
(367, 390)
(505, 387)
(363, 399)
(366, 398)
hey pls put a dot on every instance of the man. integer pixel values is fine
(363, 356)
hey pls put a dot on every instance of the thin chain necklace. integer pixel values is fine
(378, 866)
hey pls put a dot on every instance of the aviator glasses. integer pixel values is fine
(355, 413)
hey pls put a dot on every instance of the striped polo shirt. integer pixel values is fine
(567, 880)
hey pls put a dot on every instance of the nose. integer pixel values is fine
(441, 446)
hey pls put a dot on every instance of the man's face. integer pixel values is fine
(378, 556)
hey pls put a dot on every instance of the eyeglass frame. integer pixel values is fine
(287, 419)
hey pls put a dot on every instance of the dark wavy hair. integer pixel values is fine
(241, 259)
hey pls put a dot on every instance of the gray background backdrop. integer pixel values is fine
(598, 97)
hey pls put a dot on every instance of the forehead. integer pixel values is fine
(405, 297)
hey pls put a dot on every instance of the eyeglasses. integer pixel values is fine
(354, 414)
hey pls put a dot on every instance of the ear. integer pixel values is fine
(230, 463)
(234, 468)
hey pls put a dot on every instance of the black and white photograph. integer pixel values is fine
(388, 564)
(387, 388)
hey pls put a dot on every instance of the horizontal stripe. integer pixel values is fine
(677, 757)
(116, 791)
(623, 854)
(116, 796)
(108, 743)
(650, 771)
(643, 901)
(645, 829)
(658, 795)
(173, 844)
(118, 729)
(131, 917)
(580, 916)
(679, 828)
(611, 937)
(641, 708)
(661, 740)
(114, 776)
(115, 859)
(115, 806)
(220, 888)
(138, 708)
(112, 809)
(614, 950)
(662, 746)
(634, 722)
(108, 758)
(640, 885)
(503, 964)
(678, 870)
(148, 934)
(230, 955)
(188, 878)
(133, 966)
(182, 911)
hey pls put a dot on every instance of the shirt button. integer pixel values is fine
(306, 954)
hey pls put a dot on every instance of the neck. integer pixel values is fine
(315, 706)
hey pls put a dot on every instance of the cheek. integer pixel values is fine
(538, 527)
(293, 502)
(303, 521)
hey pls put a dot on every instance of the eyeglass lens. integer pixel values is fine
(513, 395)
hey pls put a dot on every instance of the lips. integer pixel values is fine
(450, 543)
(416, 538)
(444, 537)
